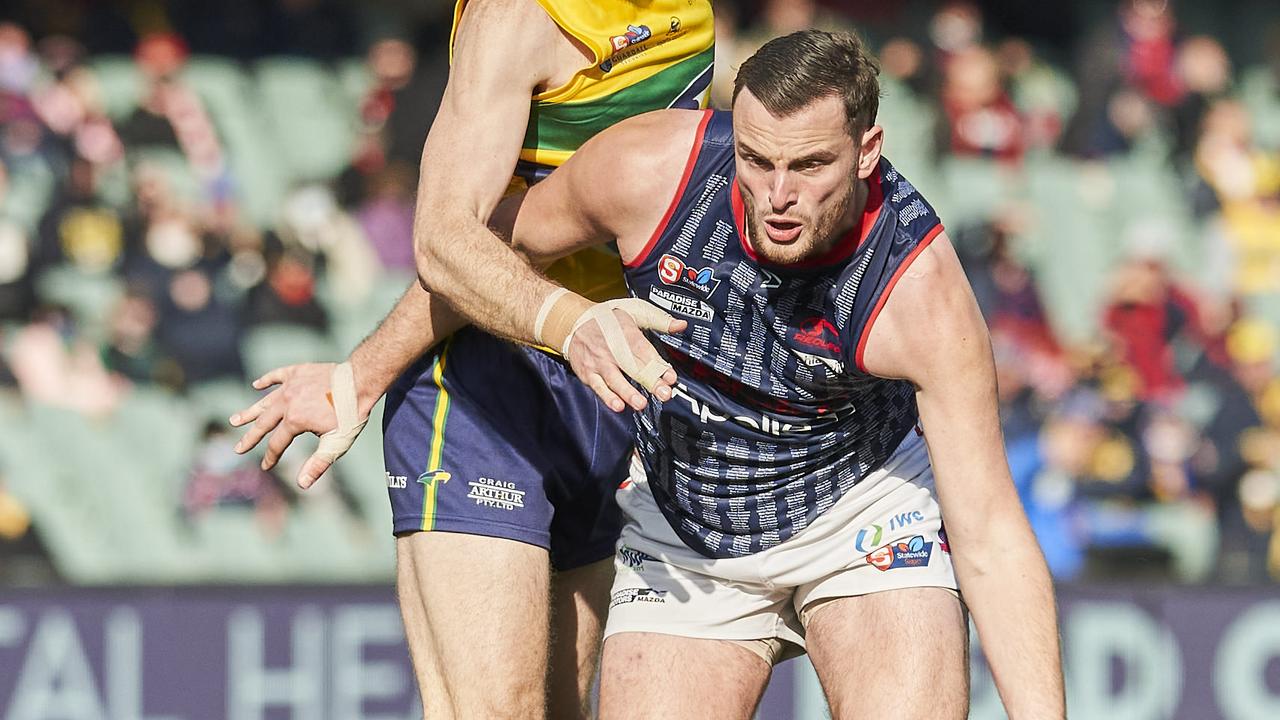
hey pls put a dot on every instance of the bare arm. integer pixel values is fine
(932, 333)
(461, 181)
(585, 202)
(501, 59)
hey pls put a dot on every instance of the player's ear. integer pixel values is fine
(870, 145)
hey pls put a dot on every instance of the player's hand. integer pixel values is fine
(303, 402)
(605, 365)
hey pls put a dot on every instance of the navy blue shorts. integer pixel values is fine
(485, 437)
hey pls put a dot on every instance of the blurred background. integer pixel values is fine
(192, 193)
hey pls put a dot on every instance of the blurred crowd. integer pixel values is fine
(179, 218)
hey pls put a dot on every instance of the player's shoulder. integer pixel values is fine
(498, 19)
(648, 144)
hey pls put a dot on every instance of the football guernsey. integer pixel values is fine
(774, 416)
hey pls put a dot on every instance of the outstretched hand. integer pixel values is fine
(607, 346)
(305, 401)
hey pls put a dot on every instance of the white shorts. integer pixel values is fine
(885, 533)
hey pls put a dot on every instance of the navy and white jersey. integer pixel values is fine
(774, 416)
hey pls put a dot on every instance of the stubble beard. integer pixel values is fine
(815, 238)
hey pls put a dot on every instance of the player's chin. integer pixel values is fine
(785, 253)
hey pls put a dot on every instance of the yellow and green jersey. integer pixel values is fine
(647, 55)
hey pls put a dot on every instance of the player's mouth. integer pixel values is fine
(782, 232)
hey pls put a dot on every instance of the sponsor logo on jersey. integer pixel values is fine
(911, 553)
(499, 494)
(674, 26)
(673, 271)
(818, 332)
(762, 422)
(630, 595)
(434, 477)
(634, 35)
(633, 558)
(398, 482)
(817, 360)
(868, 538)
(942, 541)
(681, 304)
(769, 280)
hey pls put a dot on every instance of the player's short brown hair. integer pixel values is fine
(792, 71)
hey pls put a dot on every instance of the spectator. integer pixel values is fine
(1145, 316)
(171, 115)
(1126, 73)
(79, 228)
(132, 350)
(287, 295)
(980, 119)
(386, 217)
(200, 331)
(219, 478)
(55, 367)
(70, 106)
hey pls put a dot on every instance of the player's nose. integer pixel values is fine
(782, 191)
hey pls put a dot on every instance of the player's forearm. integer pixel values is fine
(1007, 588)
(480, 276)
(416, 323)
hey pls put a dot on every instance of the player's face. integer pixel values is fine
(799, 176)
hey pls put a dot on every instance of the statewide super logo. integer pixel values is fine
(673, 271)
(911, 553)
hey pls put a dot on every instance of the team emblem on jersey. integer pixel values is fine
(673, 271)
(912, 553)
(769, 280)
(633, 558)
(818, 332)
(434, 477)
(681, 304)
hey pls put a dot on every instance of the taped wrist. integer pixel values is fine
(646, 316)
(558, 317)
(342, 393)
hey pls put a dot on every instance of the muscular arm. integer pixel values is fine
(932, 333)
(461, 183)
(616, 187)
(505, 51)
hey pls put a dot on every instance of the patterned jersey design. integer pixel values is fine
(774, 417)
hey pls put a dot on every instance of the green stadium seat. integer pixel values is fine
(1260, 92)
(220, 82)
(356, 80)
(175, 168)
(91, 296)
(232, 547)
(306, 112)
(271, 346)
(31, 185)
(121, 84)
